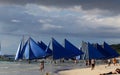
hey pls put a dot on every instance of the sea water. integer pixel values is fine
(24, 68)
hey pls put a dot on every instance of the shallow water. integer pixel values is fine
(23, 68)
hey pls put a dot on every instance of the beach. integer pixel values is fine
(87, 71)
(66, 68)
(24, 68)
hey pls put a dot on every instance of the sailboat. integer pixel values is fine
(72, 49)
(45, 48)
(29, 51)
(103, 51)
(33, 51)
(84, 49)
(59, 51)
(19, 51)
(90, 52)
(67, 52)
(110, 50)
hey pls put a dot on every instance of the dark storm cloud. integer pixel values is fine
(45, 21)
(112, 5)
(14, 20)
(29, 24)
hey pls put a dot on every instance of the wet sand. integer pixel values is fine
(87, 71)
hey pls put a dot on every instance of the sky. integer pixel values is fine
(76, 20)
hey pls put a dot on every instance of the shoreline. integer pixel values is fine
(15, 68)
(87, 71)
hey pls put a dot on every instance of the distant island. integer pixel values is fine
(116, 47)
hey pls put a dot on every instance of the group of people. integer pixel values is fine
(113, 61)
(110, 61)
(91, 63)
(117, 71)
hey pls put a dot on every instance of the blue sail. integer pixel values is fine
(23, 50)
(45, 48)
(90, 52)
(103, 51)
(72, 49)
(33, 51)
(111, 51)
(59, 51)
(28, 52)
(18, 53)
(94, 53)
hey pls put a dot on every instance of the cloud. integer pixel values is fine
(75, 19)
(110, 5)
(113, 21)
(15, 21)
(34, 20)
(49, 27)
(45, 21)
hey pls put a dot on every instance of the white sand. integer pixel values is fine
(87, 71)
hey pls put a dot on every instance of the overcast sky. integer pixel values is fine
(76, 20)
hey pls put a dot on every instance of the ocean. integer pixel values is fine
(23, 68)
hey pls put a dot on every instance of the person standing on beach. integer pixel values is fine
(119, 62)
(92, 64)
(114, 61)
(41, 65)
(87, 62)
(109, 62)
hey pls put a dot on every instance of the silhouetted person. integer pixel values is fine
(92, 64)
(41, 65)
(117, 71)
(87, 62)
(109, 62)
(114, 61)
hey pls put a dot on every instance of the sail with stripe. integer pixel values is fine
(90, 52)
(45, 48)
(33, 51)
(18, 53)
(84, 49)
